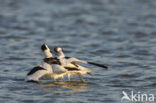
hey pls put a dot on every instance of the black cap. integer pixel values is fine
(55, 49)
(43, 47)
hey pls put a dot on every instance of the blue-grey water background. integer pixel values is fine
(118, 33)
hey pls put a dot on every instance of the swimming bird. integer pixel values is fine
(40, 71)
(45, 70)
(67, 60)
(69, 63)
(70, 69)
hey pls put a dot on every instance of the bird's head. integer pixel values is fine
(46, 50)
(57, 49)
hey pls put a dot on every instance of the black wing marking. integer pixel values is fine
(67, 57)
(71, 69)
(52, 60)
(35, 69)
(57, 61)
(74, 64)
(99, 65)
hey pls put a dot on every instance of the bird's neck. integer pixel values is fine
(47, 66)
(48, 54)
(61, 54)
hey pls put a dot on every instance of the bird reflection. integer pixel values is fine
(74, 86)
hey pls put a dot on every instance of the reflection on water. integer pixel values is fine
(73, 86)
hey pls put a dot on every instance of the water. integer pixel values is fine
(119, 33)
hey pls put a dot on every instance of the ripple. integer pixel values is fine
(13, 37)
(151, 85)
(128, 75)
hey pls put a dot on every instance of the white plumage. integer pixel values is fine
(38, 71)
